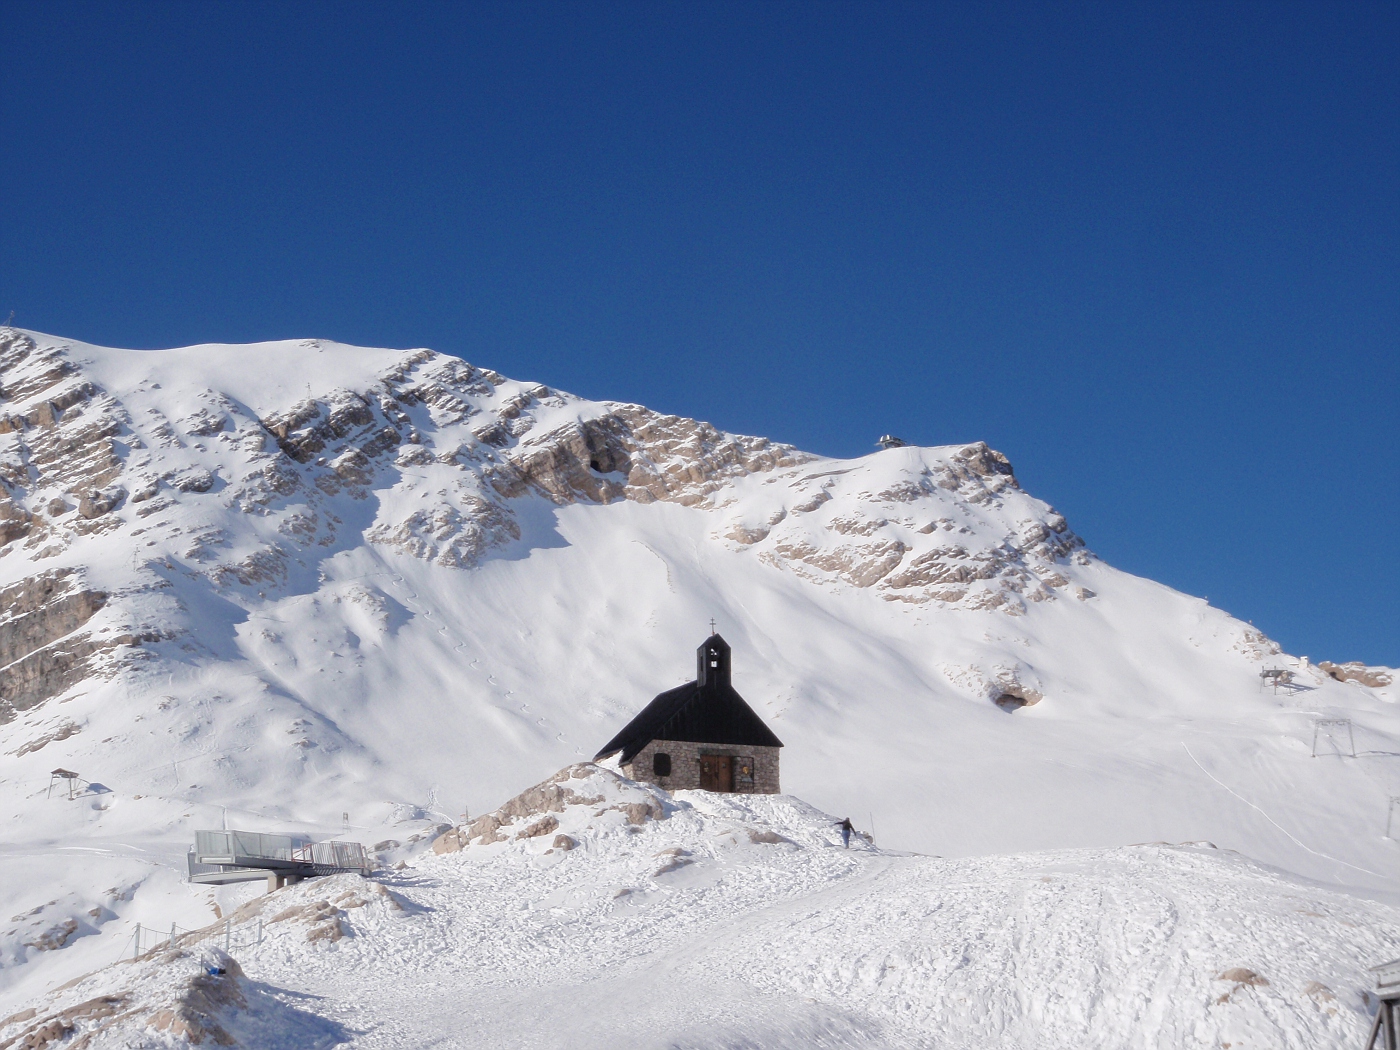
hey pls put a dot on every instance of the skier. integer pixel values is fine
(846, 828)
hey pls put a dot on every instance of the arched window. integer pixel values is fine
(661, 764)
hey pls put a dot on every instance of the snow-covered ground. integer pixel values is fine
(383, 588)
(723, 921)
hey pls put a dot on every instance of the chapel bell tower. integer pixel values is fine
(712, 663)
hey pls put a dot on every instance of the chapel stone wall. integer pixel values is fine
(685, 765)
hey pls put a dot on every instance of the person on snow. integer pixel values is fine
(846, 828)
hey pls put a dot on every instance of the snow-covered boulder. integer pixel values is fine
(171, 999)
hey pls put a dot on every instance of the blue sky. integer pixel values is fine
(1149, 251)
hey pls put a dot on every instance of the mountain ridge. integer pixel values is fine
(66, 428)
(292, 564)
(347, 592)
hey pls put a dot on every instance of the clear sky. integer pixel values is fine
(1149, 251)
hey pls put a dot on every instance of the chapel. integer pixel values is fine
(700, 735)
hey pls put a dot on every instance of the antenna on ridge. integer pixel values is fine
(10, 321)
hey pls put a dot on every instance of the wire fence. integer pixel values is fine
(146, 941)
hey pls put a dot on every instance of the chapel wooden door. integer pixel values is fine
(716, 773)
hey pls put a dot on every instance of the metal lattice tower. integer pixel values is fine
(1333, 728)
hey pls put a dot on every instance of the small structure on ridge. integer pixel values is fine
(700, 735)
(221, 857)
(63, 774)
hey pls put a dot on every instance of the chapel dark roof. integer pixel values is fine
(705, 711)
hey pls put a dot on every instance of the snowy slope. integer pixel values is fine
(292, 584)
(705, 920)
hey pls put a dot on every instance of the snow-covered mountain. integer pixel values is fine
(304, 585)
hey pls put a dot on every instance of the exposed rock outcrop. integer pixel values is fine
(1009, 687)
(532, 813)
(42, 652)
(62, 427)
(1361, 674)
(185, 997)
(504, 441)
(838, 527)
(446, 457)
(63, 731)
(59, 1027)
(633, 453)
(346, 440)
(1015, 696)
(189, 993)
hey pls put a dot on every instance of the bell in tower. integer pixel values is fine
(712, 663)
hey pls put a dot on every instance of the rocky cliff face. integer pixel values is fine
(42, 649)
(1361, 674)
(58, 454)
(432, 457)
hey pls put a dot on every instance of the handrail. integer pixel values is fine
(251, 845)
(226, 852)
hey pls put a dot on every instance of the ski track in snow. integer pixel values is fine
(1260, 810)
